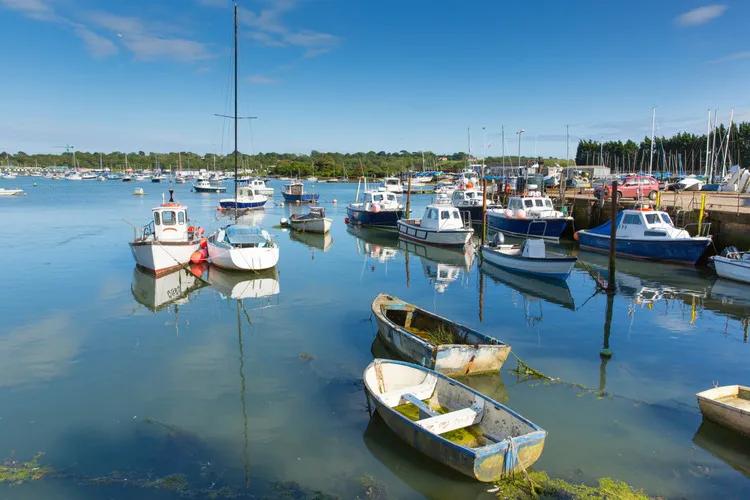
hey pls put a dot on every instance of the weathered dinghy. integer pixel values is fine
(434, 341)
(728, 406)
(452, 423)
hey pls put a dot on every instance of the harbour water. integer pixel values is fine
(132, 387)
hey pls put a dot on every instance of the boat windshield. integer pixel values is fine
(666, 219)
(652, 218)
(244, 235)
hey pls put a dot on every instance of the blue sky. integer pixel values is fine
(355, 75)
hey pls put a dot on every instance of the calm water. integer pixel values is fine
(118, 386)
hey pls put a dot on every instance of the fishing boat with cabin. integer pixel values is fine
(294, 192)
(441, 225)
(207, 186)
(168, 241)
(733, 264)
(470, 203)
(532, 216)
(649, 235)
(531, 257)
(452, 423)
(378, 208)
(247, 199)
(436, 342)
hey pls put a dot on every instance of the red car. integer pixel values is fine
(632, 186)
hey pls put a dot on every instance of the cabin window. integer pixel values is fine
(631, 219)
(445, 215)
(157, 219)
(548, 203)
(652, 218)
(528, 203)
(539, 202)
(456, 215)
(377, 197)
(666, 219)
(168, 218)
(181, 217)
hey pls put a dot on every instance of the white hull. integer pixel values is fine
(733, 269)
(728, 406)
(549, 267)
(161, 257)
(243, 259)
(10, 192)
(311, 226)
(453, 237)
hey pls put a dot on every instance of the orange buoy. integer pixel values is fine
(196, 257)
(575, 236)
(203, 243)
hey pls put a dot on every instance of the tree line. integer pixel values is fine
(683, 152)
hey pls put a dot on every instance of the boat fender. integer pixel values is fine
(375, 208)
(346, 220)
(203, 243)
(575, 236)
(196, 257)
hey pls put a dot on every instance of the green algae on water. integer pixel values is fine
(14, 472)
(537, 484)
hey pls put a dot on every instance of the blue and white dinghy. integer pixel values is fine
(529, 258)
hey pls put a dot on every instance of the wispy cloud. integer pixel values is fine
(35, 9)
(97, 45)
(262, 80)
(701, 15)
(269, 29)
(736, 56)
(213, 3)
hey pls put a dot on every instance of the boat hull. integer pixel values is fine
(679, 251)
(301, 198)
(448, 238)
(162, 257)
(715, 405)
(549, 229)
(485, 463)
(213, 189)
(366, 218)
(487, 355)
(321, 226)
(242, 259)
(549, 267)
(242, 205)
(733, 269)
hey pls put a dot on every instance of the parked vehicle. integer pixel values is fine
(632, 186)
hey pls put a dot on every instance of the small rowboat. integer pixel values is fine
(728, 406)
(434, 341)
(314, 221)
(530, 258)
(452, 423)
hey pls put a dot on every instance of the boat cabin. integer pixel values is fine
(384, 198)
(258, 183)
(647, 223)
(294, 188)
(466, 197)
(170, 222)
(392, 184)
(441, 218)
(247, 192)
(530, 203)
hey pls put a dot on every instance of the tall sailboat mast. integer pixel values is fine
(236, 156)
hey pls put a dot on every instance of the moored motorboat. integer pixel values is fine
(259, 185)
(471, 204)
(646, 234)
(294, 192)
(452, 423)
(247, 199)
(393, 185)
(378, 208)
(531, 258)
(733, 264)
(315, 221)
(168, 241)
(440, 225)
(138, 191)
(242, 248)
(529, 217)
(434, 341)
(206, 186)
(728, 406)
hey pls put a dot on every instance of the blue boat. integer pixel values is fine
(379, 208)
(529, 216)
(294, 192)
(247, 199)
(646, 234)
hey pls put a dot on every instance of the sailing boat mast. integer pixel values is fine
(653, 131)
(236, 156)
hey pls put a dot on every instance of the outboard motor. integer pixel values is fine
(730, 252)
(497, 240)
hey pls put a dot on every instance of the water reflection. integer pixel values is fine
(732, 299)
(530, 287)
(173, 288)
(442, 266)
(726, 445)
(243, 285)
(313, 240)
(376, 244)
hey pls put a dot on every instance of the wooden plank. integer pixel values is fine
(424, 410)
(450, 421)
(422, 391)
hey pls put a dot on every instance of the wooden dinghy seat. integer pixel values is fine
(437, 423)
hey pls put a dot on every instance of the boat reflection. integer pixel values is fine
(441, 265)
(173, 288)
(313, 240)
(376, 244)
(726, 445)
(244, 285)
(554, 291)
(730, 297)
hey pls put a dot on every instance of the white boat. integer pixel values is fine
(140, 177)
(138, 191)
(74, 177)
(444, 188)
(243, 248)
(440, 225)
(247, 199)
(312, 178)
(377, 208)
(690, 183)
(733, 265)
(259, 185)
(529, 258)
(89, 176)
(528, 217)
(11, 192)
(315, 221)
(206, 186)
(728, 406)
(240, 286)
(393, 185)
(470, 203)
(9, 176)
(168, 241)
